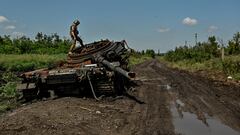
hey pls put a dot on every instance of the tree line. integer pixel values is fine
(205, 50)
(53, 44)
(42, 44)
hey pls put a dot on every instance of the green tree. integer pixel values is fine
(24, 44)
(234, 44)
(150, 53)
(212, 46)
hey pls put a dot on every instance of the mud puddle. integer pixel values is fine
(188, 124)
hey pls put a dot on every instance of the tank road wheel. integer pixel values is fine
(43, 92)
(118, 84)
(28, 95)
(27, 91)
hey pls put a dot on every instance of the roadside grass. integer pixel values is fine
(28, 62)
(137, 59)
(230, 65)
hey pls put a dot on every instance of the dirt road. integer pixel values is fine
(168, 101)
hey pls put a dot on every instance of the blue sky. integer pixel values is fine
(155, 24)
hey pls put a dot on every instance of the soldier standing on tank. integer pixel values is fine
(74, 35)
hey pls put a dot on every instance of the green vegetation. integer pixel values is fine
(25, 54)
(139, 57)
(27, 62)
(8, 94)
(206, 56)
(136, 59)
(231, 66)
(43, 44)
(199, 53)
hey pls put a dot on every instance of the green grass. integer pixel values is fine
(8, 94)
(27, 62)
(230, 65)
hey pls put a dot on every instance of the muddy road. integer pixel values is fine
(165, 102)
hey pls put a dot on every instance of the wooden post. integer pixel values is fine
(222, 52)
(222, 48)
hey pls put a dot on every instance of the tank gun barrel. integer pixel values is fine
(129, 75)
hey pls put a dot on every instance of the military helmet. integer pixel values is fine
(76, 22)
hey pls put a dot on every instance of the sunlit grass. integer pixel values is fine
(230, 65)
(25, 62)
(134, 60)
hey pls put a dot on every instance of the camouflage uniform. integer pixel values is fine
(74, 35)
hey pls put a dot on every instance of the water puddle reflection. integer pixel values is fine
(188, 124)
(179, 102)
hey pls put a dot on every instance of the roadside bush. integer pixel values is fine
(8, 90)
(231, 65)
(9, 77)
(234, 44)
(199, 53)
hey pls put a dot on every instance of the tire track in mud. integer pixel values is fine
(155, 117)
(206, 99)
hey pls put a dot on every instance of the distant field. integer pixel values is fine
(25, 62)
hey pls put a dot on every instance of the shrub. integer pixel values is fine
(8, 90)
(231, 65)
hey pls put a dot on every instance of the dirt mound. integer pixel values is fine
(167, 101)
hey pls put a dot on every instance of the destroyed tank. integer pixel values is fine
(99, 68)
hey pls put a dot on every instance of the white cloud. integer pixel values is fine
(212, 28)
(189, 21)
(3, 19)
(10, 27)
(161, 30)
